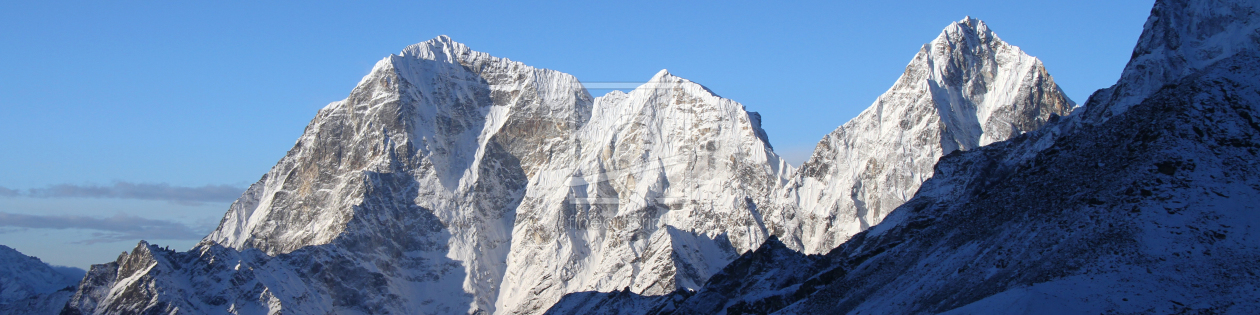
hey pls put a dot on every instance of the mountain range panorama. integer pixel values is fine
(452, 181)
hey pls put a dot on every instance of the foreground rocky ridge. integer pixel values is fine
(1128, 207)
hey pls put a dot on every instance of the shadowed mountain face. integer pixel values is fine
(1147, 206)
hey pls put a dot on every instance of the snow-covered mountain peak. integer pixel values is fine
(968, 28)
(476, 178)
(964, 89)
(441, 48)
(967, 38)
(661, 75)
(663, 191)
(678, 97)
(662, 80)
(429, 156)
(665, 80)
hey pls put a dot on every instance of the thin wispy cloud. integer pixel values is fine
(125, 190)
(120, 227)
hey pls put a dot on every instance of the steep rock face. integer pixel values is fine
(30, 286)
(661, 192)
(444, 169)
(965, 89)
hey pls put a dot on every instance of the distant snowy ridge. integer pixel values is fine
(30, 286)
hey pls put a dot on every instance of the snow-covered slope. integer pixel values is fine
(1154, 208)
(965, 89)
(29, 286)
(444, 169)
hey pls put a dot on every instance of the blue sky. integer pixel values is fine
(146, 109)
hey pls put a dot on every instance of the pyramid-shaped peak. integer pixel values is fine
(971, 22)
(440, 41)
(968, 28)
(665, 80)
(662, 76)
